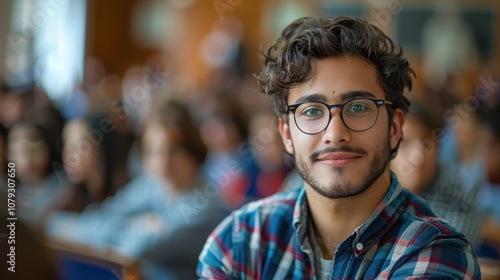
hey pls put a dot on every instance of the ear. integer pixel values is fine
(396, 133)
(285, 135)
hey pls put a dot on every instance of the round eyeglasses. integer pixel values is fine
(358, 114)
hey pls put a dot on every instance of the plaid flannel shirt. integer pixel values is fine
(268, 239)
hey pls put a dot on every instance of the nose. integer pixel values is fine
(336, 132)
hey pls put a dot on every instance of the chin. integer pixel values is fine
(341, 172)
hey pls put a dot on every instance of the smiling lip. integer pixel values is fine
(338, 159)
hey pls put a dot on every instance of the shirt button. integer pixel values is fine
(359, 246)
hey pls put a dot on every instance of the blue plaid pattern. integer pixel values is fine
(403, 239)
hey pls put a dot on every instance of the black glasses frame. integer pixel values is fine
(378, 103)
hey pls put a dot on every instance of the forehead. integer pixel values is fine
(337, 76)
(74, 131)
(155, 132)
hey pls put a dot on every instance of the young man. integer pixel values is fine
(338, 88)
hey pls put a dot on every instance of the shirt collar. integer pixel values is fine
(384, 216)
(301, 214)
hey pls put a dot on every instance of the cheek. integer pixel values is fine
(15, 156)
(213, 133)
(41, 156)
(70, 158)
(374, 141)
(75, 160)
(301, 144)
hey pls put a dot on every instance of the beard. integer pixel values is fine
(343, 188)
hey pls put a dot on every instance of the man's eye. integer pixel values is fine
(312, 112)
(358, 108)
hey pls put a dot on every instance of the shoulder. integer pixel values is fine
(414, 225)
(418, 216)
(430, 247)
(423, 243)
(282, 202)
(268, 221)
(278, 207)
(270, 215)
(257, 227)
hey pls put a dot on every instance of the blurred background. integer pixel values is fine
(47, 39)
(84, 85)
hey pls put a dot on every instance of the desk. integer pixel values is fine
(79, 262)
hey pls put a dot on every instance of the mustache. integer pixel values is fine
(315, 155)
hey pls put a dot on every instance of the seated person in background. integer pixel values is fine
(468, 166)
(489, 195)
(14, 104)
(224, 130)
(48, 116)
(160, 218)
(88, 162)
(265, 153)
(338, 86)
(31, 149)
(418, 170)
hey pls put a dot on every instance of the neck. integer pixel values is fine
(336, 219)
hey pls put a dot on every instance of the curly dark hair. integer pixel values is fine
(287, 63)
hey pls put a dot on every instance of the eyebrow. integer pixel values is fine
(311, 98)
(343, 96)
(356, 93)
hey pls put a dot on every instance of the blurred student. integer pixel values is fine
(224, 130)
(14, 103)
(489, 195)
(30, 147)
(88, 162)
(50, 118)
(418, 170)
(468, 166)
(160, 218)
(268, 151)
